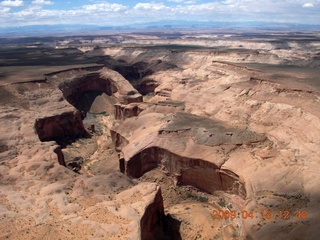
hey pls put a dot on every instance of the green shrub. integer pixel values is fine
(222, 202)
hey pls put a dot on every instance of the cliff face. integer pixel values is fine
(147, 85)
(104, 81)
(42, 198)
(121, 111)
(223, 127)
(73, 89)
(118, 140)
(187, 171)
(190, 148)
(65, 125)
(73, 85)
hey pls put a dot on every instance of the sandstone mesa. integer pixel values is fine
(211, 119)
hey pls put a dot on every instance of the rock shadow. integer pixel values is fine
(171, 228)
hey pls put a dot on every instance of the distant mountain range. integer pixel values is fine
(50, 30)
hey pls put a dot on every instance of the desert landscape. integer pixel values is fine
(160, 135)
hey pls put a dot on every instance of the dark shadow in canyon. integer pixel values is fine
(82, 92)
(86, 100)
(171, 228)
(137, 73)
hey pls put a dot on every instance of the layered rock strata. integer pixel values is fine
(73, 85)
(247, 131)
(279, 102)
(41, 198)
(185, 146)
(123, 111)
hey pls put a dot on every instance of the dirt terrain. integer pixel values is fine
(197, 136)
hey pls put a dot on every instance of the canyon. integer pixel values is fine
(146, 138)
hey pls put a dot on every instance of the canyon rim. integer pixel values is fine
(147, 135)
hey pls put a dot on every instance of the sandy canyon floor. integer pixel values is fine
(161, 136)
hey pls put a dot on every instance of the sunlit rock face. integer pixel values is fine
(267, 116)
(185, 146)
(222, 128)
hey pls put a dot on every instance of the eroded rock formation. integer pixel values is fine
(74, 84)
(264, 143)
(123, 111)
(215, 122)
(61, 126)
(107, 81)
(187, 171)
(50, 200)
(177, 145)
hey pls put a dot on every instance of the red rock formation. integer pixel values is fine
(60, 156)
(196, 172)
(118, 140)
(73, 84)
(192, 149)
(147, 85)
(72, 90)
(105, 81)
(68, 124)
(123, 112)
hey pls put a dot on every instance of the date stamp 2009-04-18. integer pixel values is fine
(264, 214)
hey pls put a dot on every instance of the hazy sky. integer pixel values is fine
(30, 12)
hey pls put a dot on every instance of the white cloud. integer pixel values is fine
(184, 1)
(12, 3)
(104, 7)
(4, 10)
(42, 2)
(149, 6)
(104, 13)
(308, 5)
(190, 2)
(204, 6)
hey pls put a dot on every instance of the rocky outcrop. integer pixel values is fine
(126, 111)
(195, 172)
(65, 125)
(118, 140)
(143, 206)
(76, 82)
(147, 85)
(190, 148)
(60, 156)
(100, 82)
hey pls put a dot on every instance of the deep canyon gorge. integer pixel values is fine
(147, 138)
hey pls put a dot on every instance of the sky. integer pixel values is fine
(115, 13)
